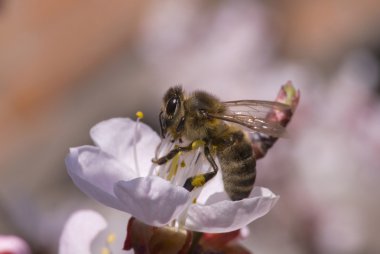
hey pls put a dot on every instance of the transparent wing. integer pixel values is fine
(254, 115)
(256, 107)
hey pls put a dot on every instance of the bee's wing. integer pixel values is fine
(257, 106)
(254, 115)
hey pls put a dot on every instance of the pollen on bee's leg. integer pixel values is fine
(198, 181)
(196, 144)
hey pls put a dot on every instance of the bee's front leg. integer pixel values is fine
(172, 154)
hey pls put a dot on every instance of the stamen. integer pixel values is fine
(193, 165)
(182, 175)
(156, 155)
(194, 194)
(111, 238)
(173, 167)
(196, 162)
(105, 250)
(139, 116)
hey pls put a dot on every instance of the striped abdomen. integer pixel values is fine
(238, 165)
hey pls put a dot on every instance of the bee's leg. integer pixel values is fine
(172, 154)
(200, 180)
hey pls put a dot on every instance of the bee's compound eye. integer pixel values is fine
(172, 106)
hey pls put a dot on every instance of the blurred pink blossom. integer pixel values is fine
(13, 245)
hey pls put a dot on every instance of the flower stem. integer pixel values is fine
(196, 238)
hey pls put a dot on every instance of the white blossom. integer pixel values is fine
(118, 172)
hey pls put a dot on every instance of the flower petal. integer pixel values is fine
(117, 136)
(152, 200)
(95, 173)
(227, 215)
(79, 231)
(213, 188)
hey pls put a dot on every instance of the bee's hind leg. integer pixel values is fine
(202, 179)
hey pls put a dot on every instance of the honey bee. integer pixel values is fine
(223, 128)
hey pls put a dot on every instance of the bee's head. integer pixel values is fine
(172, 111)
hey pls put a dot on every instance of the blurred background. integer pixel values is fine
(66, 65)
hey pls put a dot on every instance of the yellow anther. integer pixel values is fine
(173, 167)
(105, 251)
(198, 181)
(111, 238)
(139, 114)
(183, 164)
(197, 143)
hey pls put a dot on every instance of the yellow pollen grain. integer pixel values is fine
(183, 164)
(139, 114)
(198, 181)
(197, 143)
(194, 201)
(111, 238)
(105, 251)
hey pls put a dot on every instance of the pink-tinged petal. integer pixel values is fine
(95, 173)
(13, 244)
(220, 239)
(227, 215)
(152, 200)
(289, 96)
(117, 137)
(79, 232)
